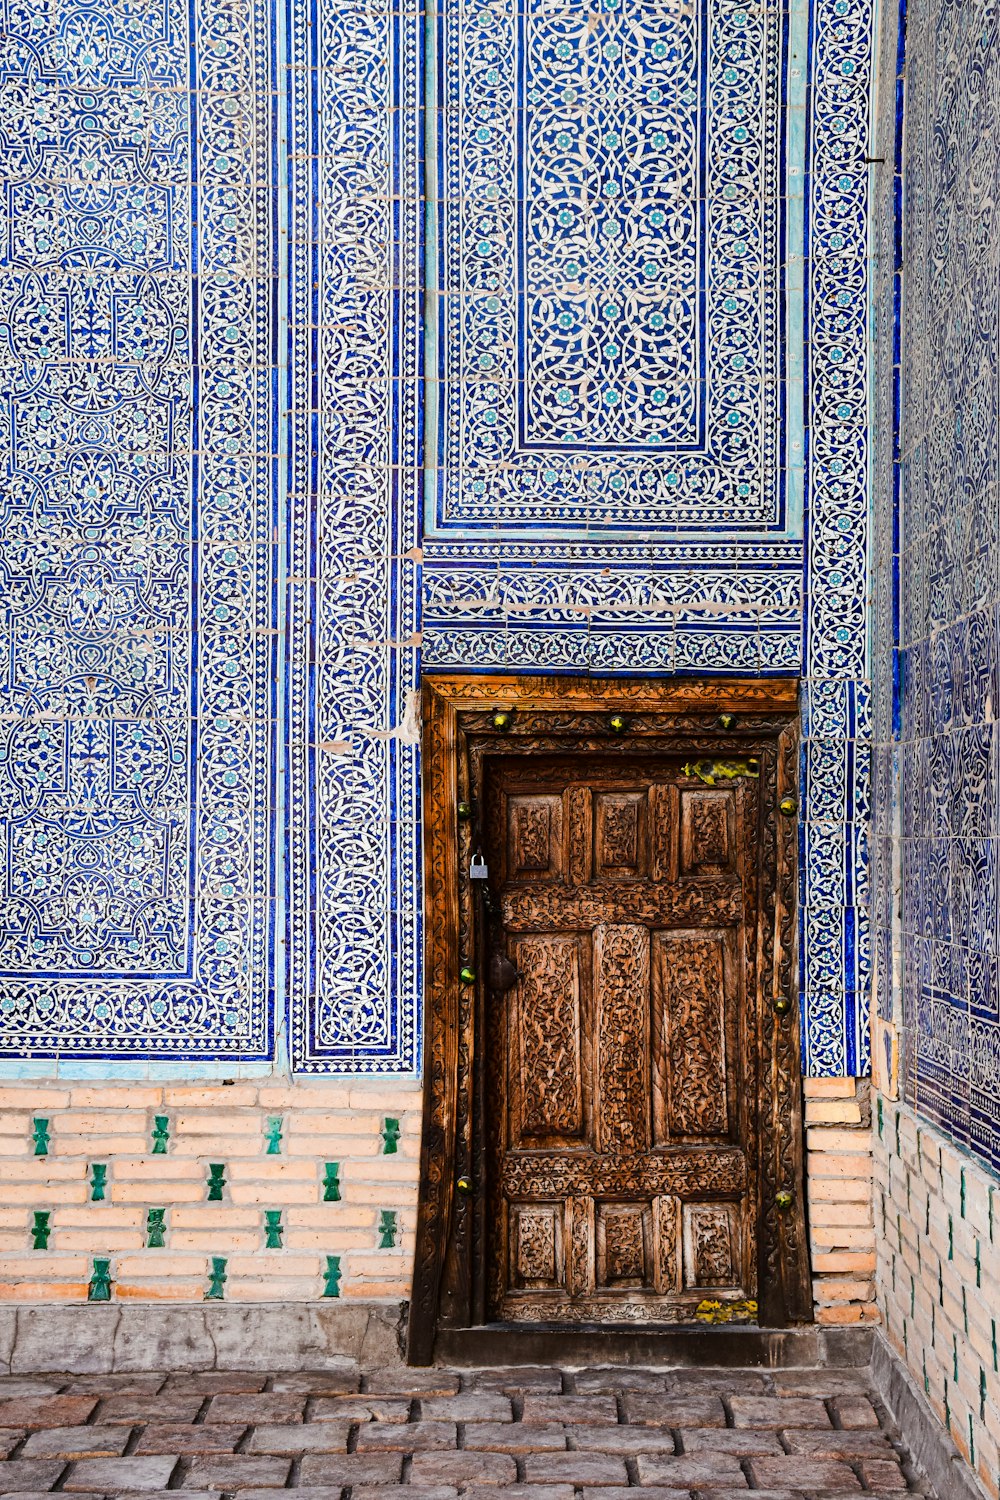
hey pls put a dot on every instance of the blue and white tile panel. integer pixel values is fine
(321, 499)
(137, 519)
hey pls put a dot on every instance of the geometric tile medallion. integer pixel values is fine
(138, 657)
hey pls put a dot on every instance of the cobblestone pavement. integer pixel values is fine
(534, 1434)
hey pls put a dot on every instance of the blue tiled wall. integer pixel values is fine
(938, 772)
(282, 430)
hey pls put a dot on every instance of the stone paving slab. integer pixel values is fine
(113, 1475)
(236, 1471)
(29, 1474)
(463, 1468)
(696, 1471)
(674, 1411)
(170, 1406)
(182, 1439)
(581, 1469)
(524, 1492)
(804, 1473)
(779, 1412)
(476, 1406)
(539, 1378)
(743, 1441)
(516, 1437)
(361, 1408)
(77, 1442)
(303, 1437)
(409, 1437)
(626, 1440)
(533, 1433)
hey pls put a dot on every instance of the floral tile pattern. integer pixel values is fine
(936, 621)
(136, 420)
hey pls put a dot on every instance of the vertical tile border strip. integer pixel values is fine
(835, 1028)
(355, 280)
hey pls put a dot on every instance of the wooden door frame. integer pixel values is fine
(572, 713)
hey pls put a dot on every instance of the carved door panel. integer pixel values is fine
(622, 1175)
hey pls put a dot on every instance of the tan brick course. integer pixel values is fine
(209, 1124)
(939, 1281)
(839, 1189)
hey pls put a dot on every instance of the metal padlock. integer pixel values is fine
(477, 869)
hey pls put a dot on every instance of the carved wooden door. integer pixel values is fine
(621, 1132)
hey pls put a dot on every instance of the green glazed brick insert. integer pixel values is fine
(331, 1182)
(387, 1229)
(40, 1229)
(216, 1181)
(390, 1136)
(331, 1279)
(216, 1279)
(40, 1136)
(273, 1229)
(155, 1228)
(98, 1181)
(99, 1289)
(272, 1135)
(161, 1134)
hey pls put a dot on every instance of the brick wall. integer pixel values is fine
(243, 1191)
(839, 1193)
(938, 1219)
(140, 1191)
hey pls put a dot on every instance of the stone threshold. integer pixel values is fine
(716, 1348)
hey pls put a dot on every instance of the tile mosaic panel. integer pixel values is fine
(143, 385)
(527, 559)
(836, 770)
(607, 330)
(135, 530)
(937, 569)
(622, 607)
